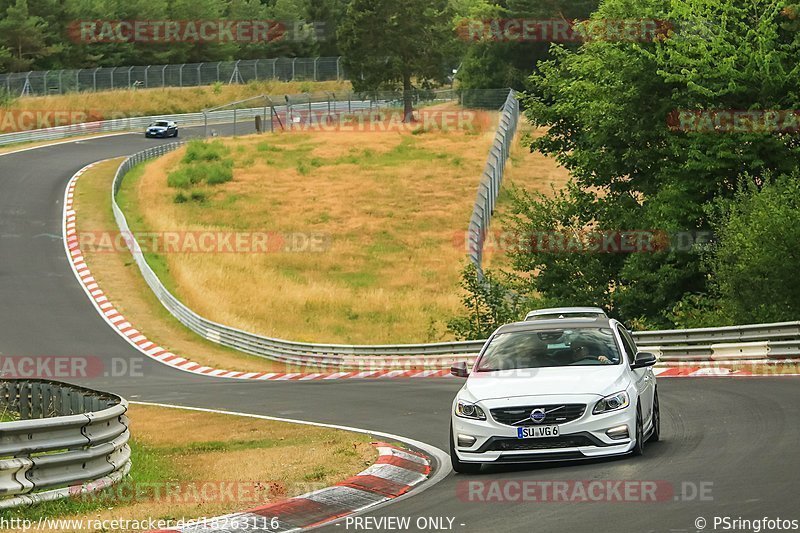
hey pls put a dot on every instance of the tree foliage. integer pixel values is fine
(389, 45)
(35, 34)
(606, 108)
(488, 304)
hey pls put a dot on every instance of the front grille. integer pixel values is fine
(545, 443)
(554, 414)
(538, 458)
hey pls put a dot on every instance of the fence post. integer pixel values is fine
(315, 68)
(94, 78)
(146, 81)
(338, 68)
(293, 62)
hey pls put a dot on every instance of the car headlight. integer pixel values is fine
(469, 410)
(614, 402)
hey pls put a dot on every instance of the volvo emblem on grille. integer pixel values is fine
(538, 415)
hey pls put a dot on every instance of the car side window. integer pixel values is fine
(628, 344)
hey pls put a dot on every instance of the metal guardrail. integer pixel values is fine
(65, 437)
(182, 75)
(491, 180)
(296, 105)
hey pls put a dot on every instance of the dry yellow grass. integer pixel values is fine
(394, 207)
(267, 460)
(119, 277)
(170, 100)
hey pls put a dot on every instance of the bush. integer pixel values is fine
(180, 198)
(179, 179)
(198, 151)
(198, 196)
(218, 173)
(490, 303)
(754, 266)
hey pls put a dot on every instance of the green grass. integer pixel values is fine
(129, 203)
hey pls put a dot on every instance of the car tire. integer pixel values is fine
(638, 448)
(655, 436)
(176, 134)
(459, 466)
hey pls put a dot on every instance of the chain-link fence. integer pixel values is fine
(185, 75)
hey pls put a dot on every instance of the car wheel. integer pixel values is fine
(656, 435)
(459, 466)
(638, 449)
(176, 134)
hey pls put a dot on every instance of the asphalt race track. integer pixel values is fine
(738, 436)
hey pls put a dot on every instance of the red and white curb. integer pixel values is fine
(394, 473)
(154, 351)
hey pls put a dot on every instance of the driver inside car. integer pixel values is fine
(583, 348)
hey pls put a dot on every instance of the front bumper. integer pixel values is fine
(163, 134)
(582, 438)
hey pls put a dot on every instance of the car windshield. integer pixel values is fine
(550, 348)
(161, 124)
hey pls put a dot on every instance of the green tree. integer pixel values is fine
(753, 268)
(23, 35)
(606, 108)
(388, 44)
(488, 303)
(490, 63)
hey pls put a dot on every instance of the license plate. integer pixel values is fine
(535, 432)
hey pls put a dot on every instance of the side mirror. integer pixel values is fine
(644, 359)
(459, 369)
